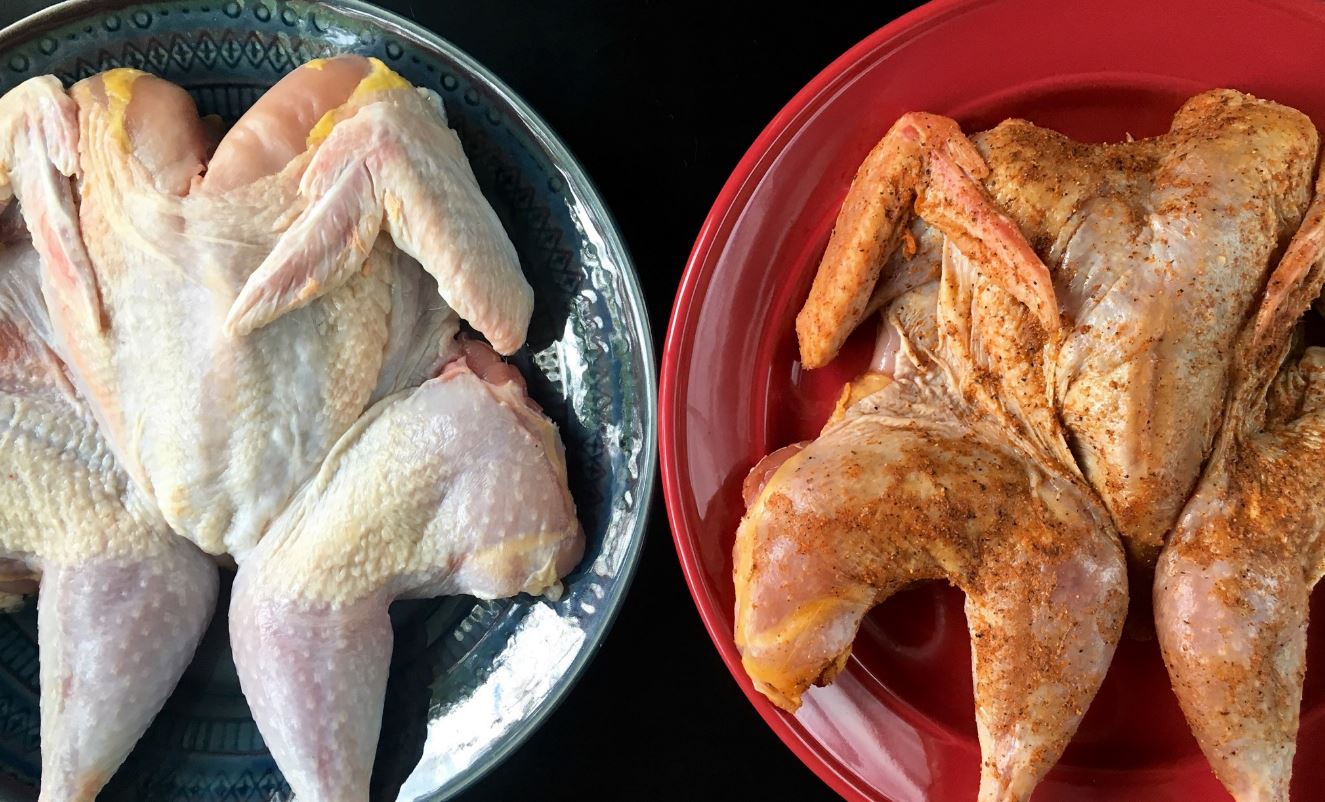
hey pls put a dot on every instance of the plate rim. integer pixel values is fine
(580, 186)
(698, 274)
(731, 201)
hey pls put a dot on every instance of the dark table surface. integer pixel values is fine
(658, 100)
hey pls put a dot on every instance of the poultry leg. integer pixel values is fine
(879, 502)
(1232, 592)
(945, 461)
(456, 487)
(123, 601)
(1233, 584)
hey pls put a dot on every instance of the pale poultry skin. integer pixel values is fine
(221, 429)
(455, 487)
(112, 576)
(385, 161)
(260, 341)
(1076, 308)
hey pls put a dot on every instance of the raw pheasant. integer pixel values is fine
(112, 576)
(456, 487)
(955, 467)
(1137, 263)
(1232, 587)
(229, 331)
(221, 429)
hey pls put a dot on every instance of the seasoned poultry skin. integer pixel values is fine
(1160, 250)
(1232, 587)
(1077, 308)
(954, 467)
(1157, 251)
(886, 498)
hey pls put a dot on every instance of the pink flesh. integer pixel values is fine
(765, 468)
(166, 134)
(487, 364)
(46, 154)
(885, 350)
(275, 129)
(479, 358)
(316, 679)
(114, 638)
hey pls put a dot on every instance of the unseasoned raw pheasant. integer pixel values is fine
(231, 319)
(112, 576)
(219, 428)
(455, 487)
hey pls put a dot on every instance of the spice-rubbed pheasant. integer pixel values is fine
(1058, 337)
(951, 466)
(1232, 586)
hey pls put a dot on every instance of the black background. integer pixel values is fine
(658, 100)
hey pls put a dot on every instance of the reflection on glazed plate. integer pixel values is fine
(898, 722)
(539, 651)
(470, 680)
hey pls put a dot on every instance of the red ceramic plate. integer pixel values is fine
(898, 724)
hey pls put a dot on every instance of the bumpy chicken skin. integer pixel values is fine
(229, 324)
(456, 487)
(385, 161)
(220, 432)
(112, 576)
(221, 429)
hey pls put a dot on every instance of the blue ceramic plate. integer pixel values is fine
(470, 680)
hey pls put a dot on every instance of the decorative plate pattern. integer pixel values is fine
(469, 680)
